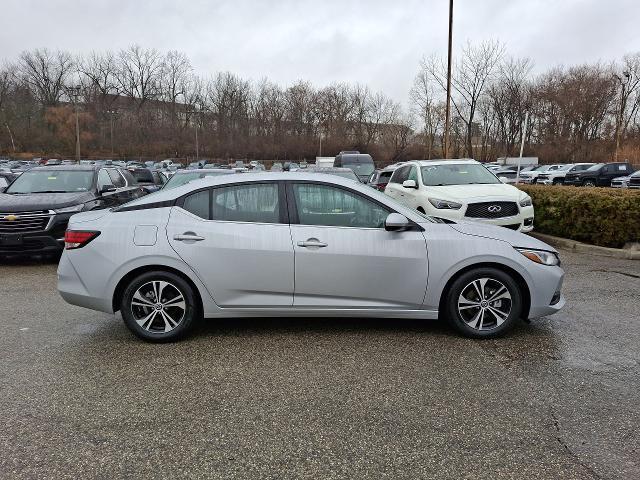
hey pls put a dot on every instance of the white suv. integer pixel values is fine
(532, 175)
(556, 176)
(461, 190)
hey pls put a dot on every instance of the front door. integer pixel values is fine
(344, 257)
(233, 238)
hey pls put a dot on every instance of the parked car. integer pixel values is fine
(621, 182)
(35, 208)
(299, 244)
(149, 179)
(380, 178)
(339, 172)
(461, 190)
(506, 175)
(599, 175)
(532, 175)
(557, 176)
(277, 167)
(185, 176)
(634, 180)
(361, 163)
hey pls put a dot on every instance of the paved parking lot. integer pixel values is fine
(273, 398)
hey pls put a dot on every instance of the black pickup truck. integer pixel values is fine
(35, 208)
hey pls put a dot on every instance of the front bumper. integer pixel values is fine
(546, 291)
(47, 241)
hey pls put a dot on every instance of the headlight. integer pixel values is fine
(444, 204)
(72, 209)
(526, 201)
(540, 256)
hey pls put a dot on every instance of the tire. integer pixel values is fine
(480, 321)
(589, 183)
(153, 320)
(557, 181)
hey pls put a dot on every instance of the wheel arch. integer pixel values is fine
(519, 279)
(126, 279)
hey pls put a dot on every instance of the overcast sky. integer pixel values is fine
(375, 42)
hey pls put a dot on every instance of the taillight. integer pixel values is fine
(78, 238)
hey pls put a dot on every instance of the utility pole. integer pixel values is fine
(620, 115)
(320, 153)
(447, 119)
(74, 92)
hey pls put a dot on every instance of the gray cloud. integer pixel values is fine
(374, 42)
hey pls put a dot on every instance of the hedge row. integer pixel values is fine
(600, 216)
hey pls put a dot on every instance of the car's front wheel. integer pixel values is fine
(483, 303)
(589, 183)
(159, 306)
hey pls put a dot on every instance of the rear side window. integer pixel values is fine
(246, 203)
(198, 204)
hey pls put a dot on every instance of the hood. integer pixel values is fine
(10, 203)
(498, 191)
(512, 237)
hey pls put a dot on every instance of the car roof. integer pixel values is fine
(71, 168)
(205, 170)
(329, 169)
(174, 193)
(443, 161)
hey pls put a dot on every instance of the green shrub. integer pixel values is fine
(601, 216)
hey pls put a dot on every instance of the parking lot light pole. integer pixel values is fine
(524, 132)
(620, 115)
(447, 119)
(111, 115)
(74, 92)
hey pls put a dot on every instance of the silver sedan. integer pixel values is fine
(299, 244)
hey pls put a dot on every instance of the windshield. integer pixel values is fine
(456, 174)
(52, 181)
(183, 179)
(362, 165)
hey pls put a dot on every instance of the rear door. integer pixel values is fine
(344, 257)
(237, 240)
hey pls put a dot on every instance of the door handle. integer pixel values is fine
(188, 237)
(312, 243)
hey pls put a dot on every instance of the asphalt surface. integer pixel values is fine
(80, 397)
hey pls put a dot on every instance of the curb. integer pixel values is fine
(568, 244)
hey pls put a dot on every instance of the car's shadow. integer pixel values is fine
(29, 260)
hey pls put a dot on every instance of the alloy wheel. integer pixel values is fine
(484, 304)
(158, 306)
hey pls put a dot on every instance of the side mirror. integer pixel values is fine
(396, 222)
(107, 189)
(409, 184)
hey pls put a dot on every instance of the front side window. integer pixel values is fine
(413, 175)
(116, 179)
(400, 175)
(3, 182)
(336, 207)
(246, 203)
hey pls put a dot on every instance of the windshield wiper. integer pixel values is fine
(51, 191)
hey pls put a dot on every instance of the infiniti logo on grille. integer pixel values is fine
(494, 208)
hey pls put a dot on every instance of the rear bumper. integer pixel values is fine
(74, 291)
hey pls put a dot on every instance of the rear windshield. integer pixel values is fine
(362, 165)
(142, 175)
(52, 181)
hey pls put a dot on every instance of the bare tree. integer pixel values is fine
(46, 72)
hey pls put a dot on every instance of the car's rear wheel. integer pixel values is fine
(557, 181)
(484, 303)
(159, 306)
